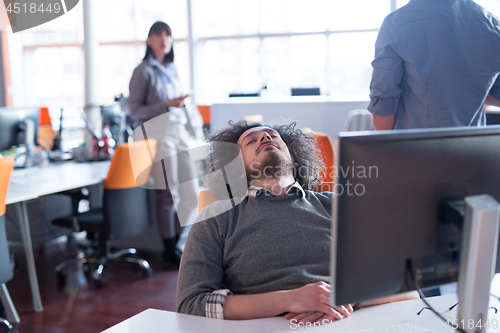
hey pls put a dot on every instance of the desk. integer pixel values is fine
(395, 315)
(32, 183)
(378, 317)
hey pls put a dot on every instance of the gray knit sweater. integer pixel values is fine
(264, 244)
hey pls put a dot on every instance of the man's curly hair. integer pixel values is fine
(302, 146)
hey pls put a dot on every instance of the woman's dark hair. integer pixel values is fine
(156, 29)
(302, 146)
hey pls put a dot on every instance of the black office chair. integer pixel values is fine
(124, 214)
(6, 274)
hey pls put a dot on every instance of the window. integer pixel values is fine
(240, 47)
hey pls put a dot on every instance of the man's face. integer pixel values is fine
(264, 153)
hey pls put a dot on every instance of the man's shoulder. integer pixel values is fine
(325, 198)
(221, 211)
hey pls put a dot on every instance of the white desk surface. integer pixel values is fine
(31, 183)
(395, 315)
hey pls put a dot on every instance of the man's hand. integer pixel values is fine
(314, 317)
(308, 303)
(176, 102)
(311, 303)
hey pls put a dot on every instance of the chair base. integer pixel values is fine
(100, 262)
(10, 329)
(8, 305)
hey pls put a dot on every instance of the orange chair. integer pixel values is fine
(6, 274)
(325, 145)
(125, 212)
(46, 134)
(205, 115)
(205, 198)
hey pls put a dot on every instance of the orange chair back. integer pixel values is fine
(121, 172)
(205, 198)
(325, 145)
(205, 113)
(6, 166)
(44, 116)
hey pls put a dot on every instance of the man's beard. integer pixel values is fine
(274, 165)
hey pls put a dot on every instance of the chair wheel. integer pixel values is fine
(99, 283)
(147, 272)
(62, 276)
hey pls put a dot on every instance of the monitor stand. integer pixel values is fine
(478, 259)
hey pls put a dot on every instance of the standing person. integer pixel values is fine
(436, 64)
(155, 92)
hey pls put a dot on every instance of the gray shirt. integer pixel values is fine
(264, 244)
(151, 85)
(435, 62)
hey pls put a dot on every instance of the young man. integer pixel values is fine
(270, 254)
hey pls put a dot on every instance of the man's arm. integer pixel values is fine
(383, 122)
(385, 86)
(313, 297)
(394, 298)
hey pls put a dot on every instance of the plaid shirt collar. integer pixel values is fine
(256, 191)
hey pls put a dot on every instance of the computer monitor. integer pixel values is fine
(115, 118)
(394, 193)
(305, 91)
(492, 117)
(12, 125)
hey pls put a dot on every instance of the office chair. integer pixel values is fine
(124, 214)
(206, 116)
(325, 145)
(6, 274)
(359, 120)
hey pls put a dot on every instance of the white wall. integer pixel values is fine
(317, 112)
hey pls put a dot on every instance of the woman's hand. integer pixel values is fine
(176, 102)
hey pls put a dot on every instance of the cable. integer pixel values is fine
(409, 270)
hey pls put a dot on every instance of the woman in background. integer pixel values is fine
(155, 92)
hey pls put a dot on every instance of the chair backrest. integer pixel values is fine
(325, 145)
(45, 136)
(359, 120)
(122, 174)
(205, 198)
(6, 166)
(205, 113)
(125, 204)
